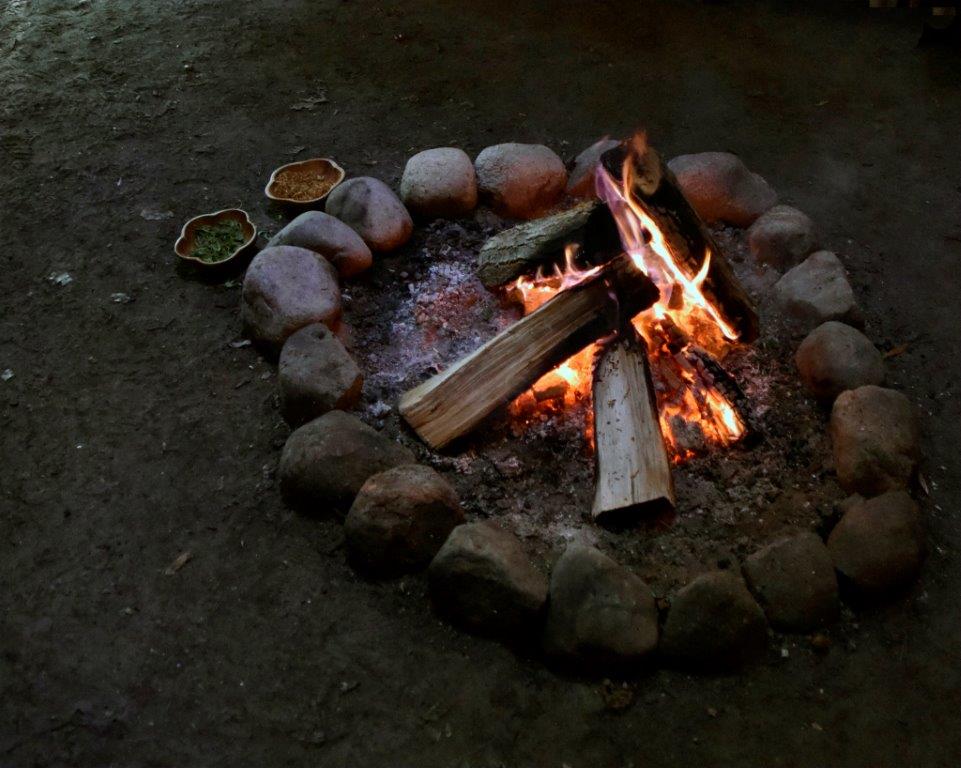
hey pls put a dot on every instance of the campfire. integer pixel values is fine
(642, 331)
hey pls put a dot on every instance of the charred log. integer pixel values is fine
(655, 187)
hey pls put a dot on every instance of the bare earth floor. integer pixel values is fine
(133, 431)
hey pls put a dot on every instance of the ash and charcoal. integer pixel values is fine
(531, 466)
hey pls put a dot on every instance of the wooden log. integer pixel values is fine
(658, 192)
(456, 400)
(633, 481)
(541, 242)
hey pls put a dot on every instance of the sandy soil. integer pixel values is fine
(133, 431)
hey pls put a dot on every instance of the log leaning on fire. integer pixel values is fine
(633, 470)
(541, 242)
(456, 400)
(657, 190)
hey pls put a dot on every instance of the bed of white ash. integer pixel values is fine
(422, 308)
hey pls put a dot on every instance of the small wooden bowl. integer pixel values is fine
(320, 171)
(185, 243)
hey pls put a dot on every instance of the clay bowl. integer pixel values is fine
(318, 176)
(185, 243)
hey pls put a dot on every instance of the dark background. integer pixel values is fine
(132, 432)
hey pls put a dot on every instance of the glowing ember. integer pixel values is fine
(694, 414)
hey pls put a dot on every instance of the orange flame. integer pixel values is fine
(693, 412)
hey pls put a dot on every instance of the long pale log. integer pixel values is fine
(456, 400)
(633, 470)
(657, 190)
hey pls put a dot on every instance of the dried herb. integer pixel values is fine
(217, 242)
(303, 184)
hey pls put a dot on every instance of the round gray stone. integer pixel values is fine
(876, 440)
(484, 581)
(330, 237)
(520, 181)
(815, 291)
(326, 461)
(316, 375)
(879, 543)
(714, 624)
(793, 580)
(372, 210)
(400, 519)
(782, 237)
(721, 188)
(286, 288)
(600, 616)
(580, 183)
(439, 183)
(835, 357)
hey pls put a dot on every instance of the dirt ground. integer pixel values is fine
(132, 429)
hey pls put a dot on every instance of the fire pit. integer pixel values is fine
(592, 394)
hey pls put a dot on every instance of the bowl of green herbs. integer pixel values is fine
(215, 239)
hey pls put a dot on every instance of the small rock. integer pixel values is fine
(520, 181)
(600, 616)
(714, 624)
(372, 210)
(484, 581)
(876, 440)
(439, 183)
(400, 519)
(878, 544)
(286, 288)
(782, 237)
(316, 375)
(835, 357)
(326, 461)
(331, 238)
(721, 188)
(581, 181)
(794, 582)
(815, 291)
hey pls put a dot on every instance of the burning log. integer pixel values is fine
(538, 243)
(633, 470)
(456, 400)
(654, 187)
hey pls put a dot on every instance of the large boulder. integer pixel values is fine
(835, 357)
(316, 375)
(326, 461)
(721, 188)
(879, 543)
(600, 616)
(876, 440)
(330, 237)
(439, 183)
(793, 580)
(714, 624)
(815, 291)
(520, 181)
(286, 288)
(484, 581)
(399, 520)
(372, 210)
(782, 237)
(580, 183)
